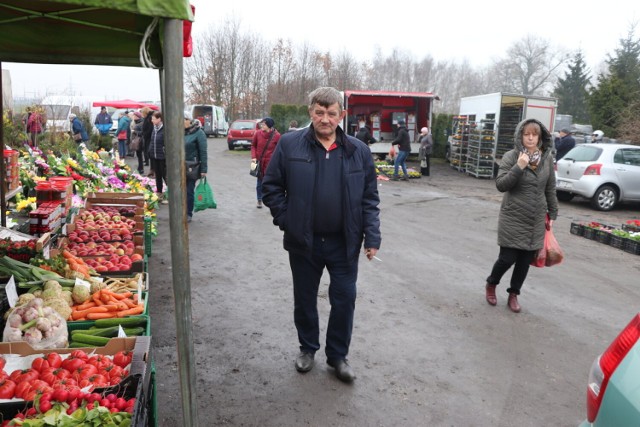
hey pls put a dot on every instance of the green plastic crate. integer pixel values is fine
(86, 324)
(153, 419)
(147, 236)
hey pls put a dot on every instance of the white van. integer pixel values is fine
(58, 107)
(212, 119)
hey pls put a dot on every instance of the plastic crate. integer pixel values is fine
(631, 228)
(590, 233)
(147, 235)
(617, 241)
(153, 418)
(603, 236)
(86, 324)
(632, 246)
(577, 229)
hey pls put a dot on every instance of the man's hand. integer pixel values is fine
(370, 253)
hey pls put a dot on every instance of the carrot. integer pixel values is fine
(96, 298)
(94, 316)
(84, 306)
(139, 309)
(130, 303)
(85, 313)
(117, 296)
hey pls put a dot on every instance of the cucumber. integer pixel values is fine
(132, 332)
(90, 340)
(110, 332)
(98, 332)
(124, 321)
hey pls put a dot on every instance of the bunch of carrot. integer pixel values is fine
(77, 264)
(105, 304)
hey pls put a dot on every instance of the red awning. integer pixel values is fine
(124, 103)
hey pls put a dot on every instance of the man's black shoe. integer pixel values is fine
(304, 362)
(343, 370)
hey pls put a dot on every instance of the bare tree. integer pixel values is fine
(529, 68)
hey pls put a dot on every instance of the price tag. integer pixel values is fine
(12, 292)
(82, 282)
(121, 333)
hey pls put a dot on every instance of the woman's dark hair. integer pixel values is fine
(157, 115)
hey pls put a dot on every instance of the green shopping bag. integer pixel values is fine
(204, 197)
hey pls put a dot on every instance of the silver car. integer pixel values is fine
(605, 173)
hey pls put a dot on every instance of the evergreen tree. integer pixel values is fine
(571, 90)
(618, 90)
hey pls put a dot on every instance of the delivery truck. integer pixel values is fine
(486, 126)
(381, 111)
(212, 119)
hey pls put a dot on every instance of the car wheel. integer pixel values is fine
(605, 199)
(563, 196)
(230, 144)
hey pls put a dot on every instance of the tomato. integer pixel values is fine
(84, 372)
(66, 384)
(72, 363)
(100, 361)
(20, 375)
(3, 362)
(39, 364)
(123, 358)
(40, 386)
(51, 375)
(54, 359)
(22, 388)
(45, 405)
(114, 371)
(79, 354)
(7, 389)
(3, 375)
(96, 381)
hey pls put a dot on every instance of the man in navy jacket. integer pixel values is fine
(564, 144)
(321, 188)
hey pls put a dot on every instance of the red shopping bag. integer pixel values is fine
(551, 253)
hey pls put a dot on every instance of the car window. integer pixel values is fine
(584, 153)
(244, 125)
(627, 156)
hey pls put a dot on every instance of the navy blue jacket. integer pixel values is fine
(564, 145)
(78, 127)
(289, 186)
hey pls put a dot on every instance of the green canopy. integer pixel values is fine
(92, 32)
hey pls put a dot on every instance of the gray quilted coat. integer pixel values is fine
(528, 195)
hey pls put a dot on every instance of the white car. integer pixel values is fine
(605, 173)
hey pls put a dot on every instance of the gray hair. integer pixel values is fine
(326, 96)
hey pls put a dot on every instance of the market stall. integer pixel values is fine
(141, 33)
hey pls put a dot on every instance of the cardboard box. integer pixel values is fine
(116, 199)
(137, 384)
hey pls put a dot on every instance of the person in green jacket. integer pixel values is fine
(195, 148)
(528, 181)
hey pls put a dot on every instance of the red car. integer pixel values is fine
(241, 133)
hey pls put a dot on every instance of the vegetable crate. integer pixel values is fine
(86, 325)
(147, 235)
(153, 420)
(137, 384)
(632, 246)
(577, 229)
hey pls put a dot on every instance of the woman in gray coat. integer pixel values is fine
(528, 181)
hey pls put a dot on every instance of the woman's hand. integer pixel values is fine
(203, 174)
(523, 160)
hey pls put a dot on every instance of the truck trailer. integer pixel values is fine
(381, 111)
(486, 128)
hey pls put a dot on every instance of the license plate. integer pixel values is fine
(242, 142)
(564, 184)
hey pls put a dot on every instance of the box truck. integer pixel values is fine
(58, 107)
(212, 119)
(381, 111)
(486, 127)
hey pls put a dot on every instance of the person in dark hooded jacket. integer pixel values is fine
(528, 181)
(404, 145)
(195, 148)
(364, 135)
(157, 155)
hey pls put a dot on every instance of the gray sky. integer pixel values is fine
(476, 31)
